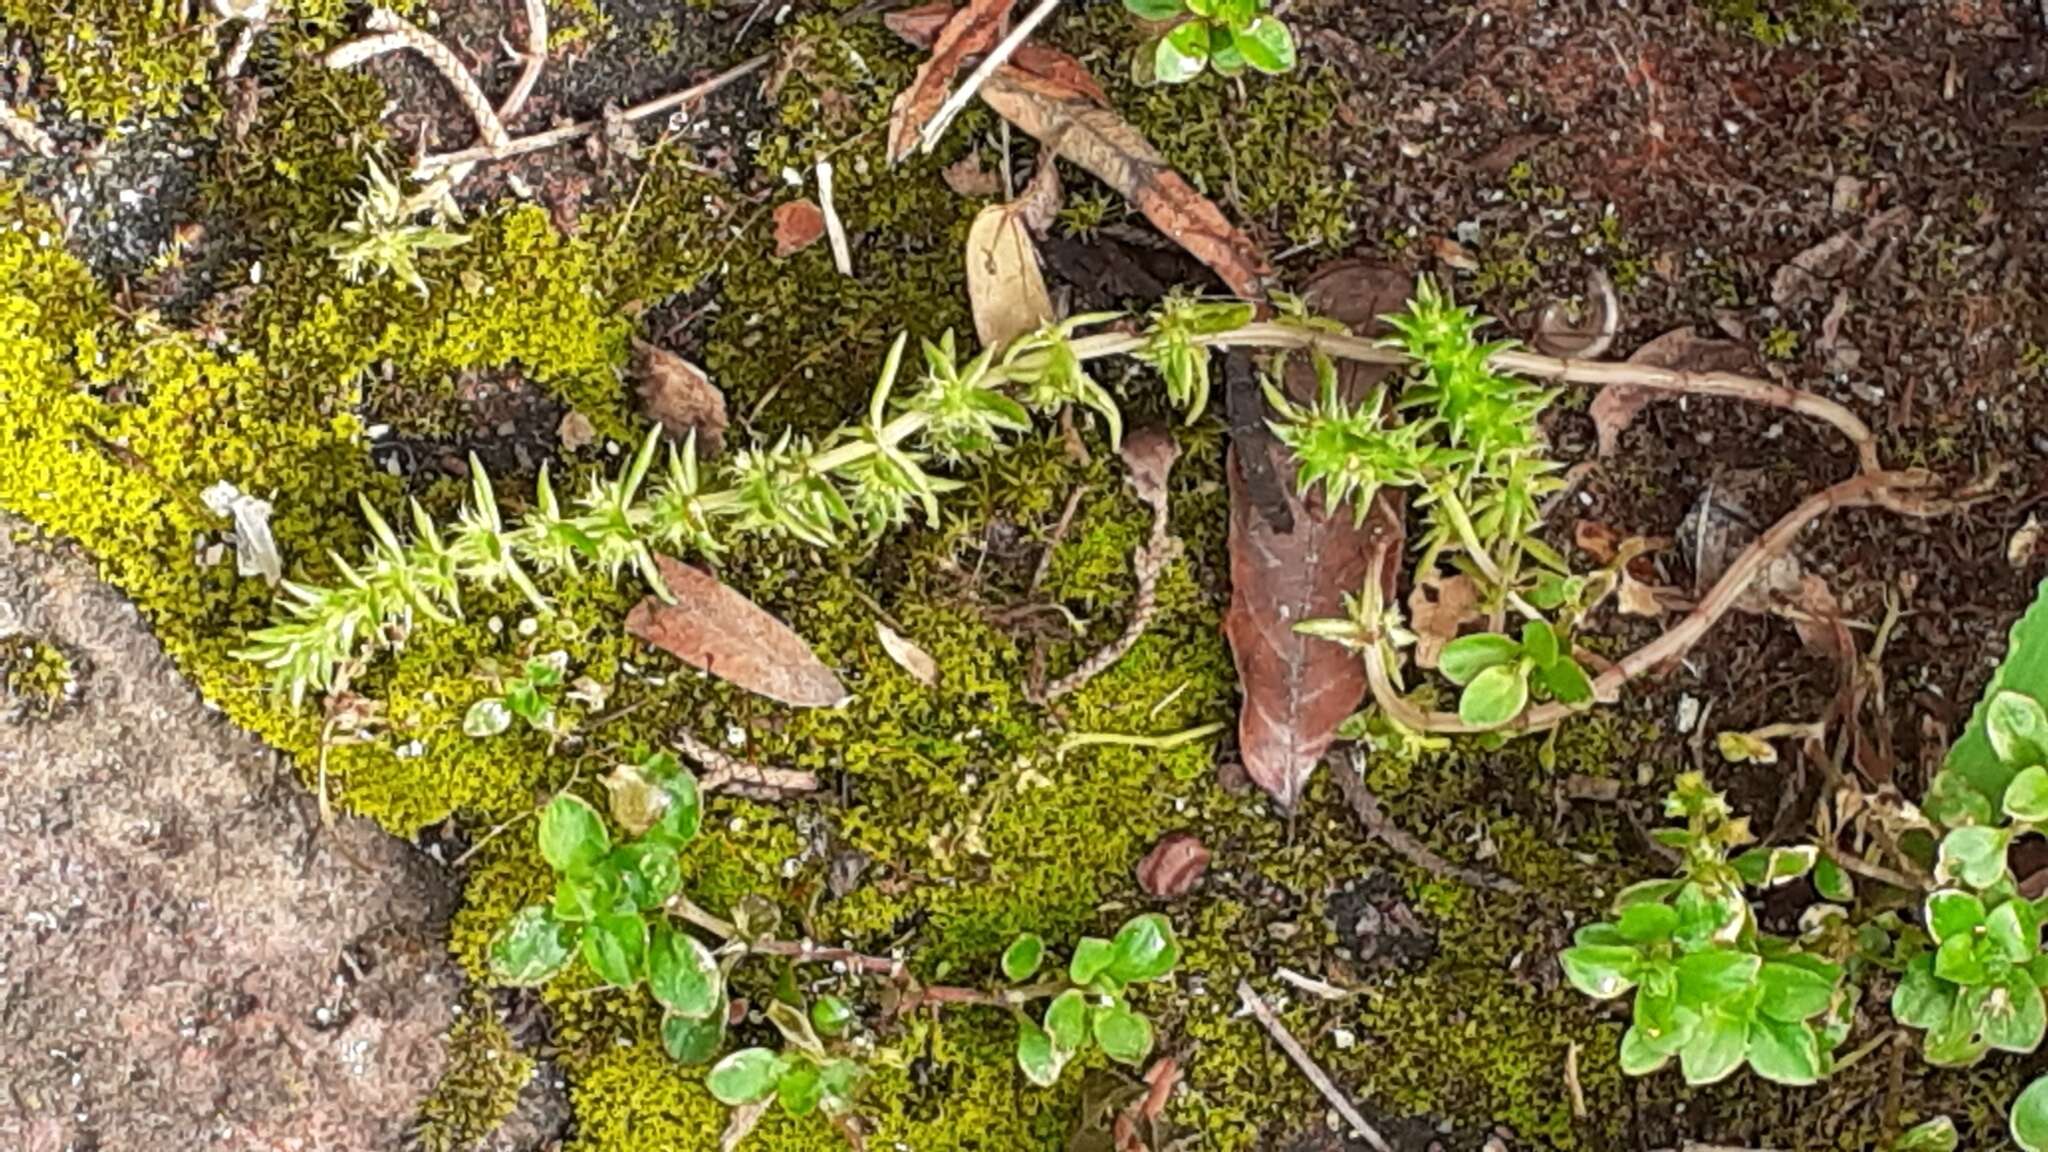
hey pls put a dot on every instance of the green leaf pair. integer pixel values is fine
(528, 697)
(801, 1082)
(1173, 346)
(1497, 673)
(1227, 35)
(1093, 1008)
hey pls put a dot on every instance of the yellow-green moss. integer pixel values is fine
(1777, 22)
(480, 1085)
(36, 676)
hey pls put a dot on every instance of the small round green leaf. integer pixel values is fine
(1224, 55)
(1953, 912)
(693, 1041)
(487, 717)
(1495, 696)
(1182, 54)
(1066, 1021)
(1936, 1135)
(1638, 1056)
(1959, 960)
(1539, 642)
(1125, 1036)
(615, 947)
(1468, 656)
(684, 815)
(683, 974)
(2026, 798)
(1024, 955)
(1974, 855)
(1953, 801)
(831, 1016)
(1708, 978)
(1568, 682)
(531, 948)
(1783, 1051)
(747, 1075)
(1717, 1048)
(2030, 1116)
(2018, 729)
(1156, 11)
(2015, 929)
(1091, 959)
(1144, 949)
(1793, 993)
(1601, 971)
(648, 872)
(1831, 882)
(1267, 45)
(572, 834)
(800, 1088)
(1036, 1055)
(1642, 923)
(2014, 1017)
(1922, 1000)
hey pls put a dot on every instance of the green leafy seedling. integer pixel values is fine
(1092, 1008)
(1498, 674)
(1229, 36)
(528, 697)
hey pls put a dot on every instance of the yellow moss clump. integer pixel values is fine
(479, 1087)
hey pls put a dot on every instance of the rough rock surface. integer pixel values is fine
(187, 960)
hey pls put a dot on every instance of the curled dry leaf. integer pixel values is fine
(967, 177)
(908, 656)
(1069, 122)
(1174, 865)
(920, 26)
(677, 395)
(1438, 607)
(1680, 349)
(576, 432)
(1149, 454)
(1582, 333)
(971, 31)
(1595, 539)
(798, 225)
(1004, 283)
(1636, 598)
(709, 626)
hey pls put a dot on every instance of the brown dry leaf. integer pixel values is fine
(1298, 689)
(1817, 616)
(1636, 598)
(970, 31)
(709, 626)
(1149, 454)
(1681, 349)
(1004, 283)
(1040, 203)
(908, 656)
(1438, 606)
(920, 28)
(677, 395)
(1595, 539)
(576, 432)
(966, 177)
(1173, 866)
(2025, 543)
(1070, 123)
(798, 225)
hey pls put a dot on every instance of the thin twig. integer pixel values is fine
(935, 128)
(835, 229)
(1366, 807)
(467, 90)
(541, 141)
(1153, 743)
(1309, 1067)
(368, 47)
(1148, 563)
(1059, 533)
(535, 59)
(729, 773)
